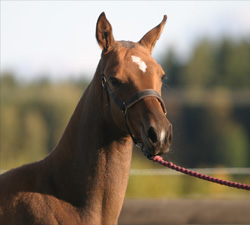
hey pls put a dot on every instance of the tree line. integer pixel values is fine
(224, 63)
(210, 128)
(213, 89)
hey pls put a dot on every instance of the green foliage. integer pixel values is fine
(33, 118)
(200, 70)
(210, 116)
(222, 64)
(237, 68)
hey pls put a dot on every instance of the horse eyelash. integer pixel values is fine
(163, 77)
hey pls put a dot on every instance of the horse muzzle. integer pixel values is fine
(157, 138)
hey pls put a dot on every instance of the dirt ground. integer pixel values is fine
(185, 211)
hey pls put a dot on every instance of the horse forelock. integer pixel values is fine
(127, 44)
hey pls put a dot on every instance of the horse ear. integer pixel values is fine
(104, 34)
(150, 38)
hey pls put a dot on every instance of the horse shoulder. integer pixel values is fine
(16, 188)
(26, 192)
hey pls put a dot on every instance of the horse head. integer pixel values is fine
(132, 80)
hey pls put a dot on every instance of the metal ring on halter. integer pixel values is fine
(104, 81)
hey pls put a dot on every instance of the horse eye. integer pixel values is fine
(163, 77)
(115, 82)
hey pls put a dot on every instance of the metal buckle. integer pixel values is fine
(125, 109)
(104, 81)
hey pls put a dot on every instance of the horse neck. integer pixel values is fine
(93, 156)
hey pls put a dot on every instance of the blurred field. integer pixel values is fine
(180, 186)
(208, 103)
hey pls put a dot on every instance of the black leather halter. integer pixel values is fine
(124, 106)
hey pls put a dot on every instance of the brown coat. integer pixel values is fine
(84, 179)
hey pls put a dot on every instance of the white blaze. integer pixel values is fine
(142, 65)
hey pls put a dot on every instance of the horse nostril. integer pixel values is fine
(152, 135)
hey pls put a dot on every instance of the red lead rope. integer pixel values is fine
(199, 175)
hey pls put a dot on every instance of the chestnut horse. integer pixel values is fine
(84, 179)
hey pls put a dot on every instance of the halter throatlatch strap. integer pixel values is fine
(124, 106)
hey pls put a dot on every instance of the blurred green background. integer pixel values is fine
(208, 102)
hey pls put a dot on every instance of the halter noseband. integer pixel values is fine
(124, 106)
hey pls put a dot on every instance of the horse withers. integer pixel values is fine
(84, 179)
